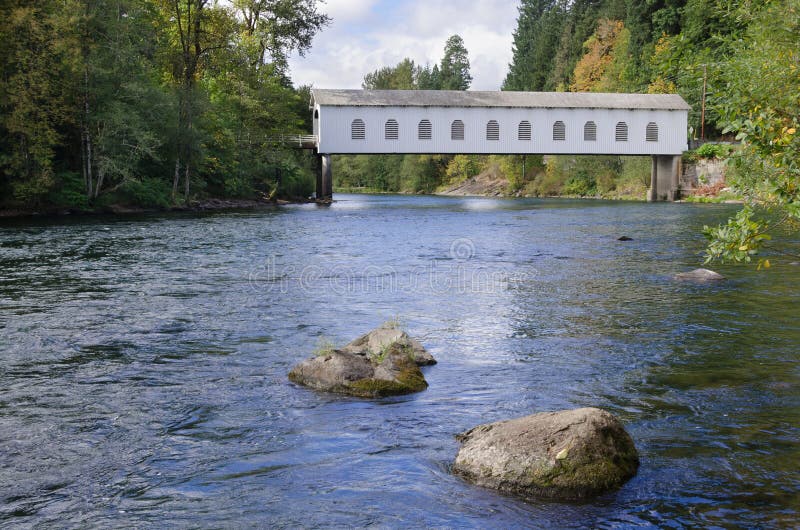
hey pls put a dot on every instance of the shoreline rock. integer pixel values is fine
(564, 455)
(384, 362)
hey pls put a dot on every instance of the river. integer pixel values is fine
(144, 360)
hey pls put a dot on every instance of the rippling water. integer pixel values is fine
(144, 360)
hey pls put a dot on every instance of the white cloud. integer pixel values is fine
(347, 10)
(369, 34)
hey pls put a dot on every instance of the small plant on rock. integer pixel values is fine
(324, 347)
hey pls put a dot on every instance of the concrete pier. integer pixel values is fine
(664, 178)
(324, 178)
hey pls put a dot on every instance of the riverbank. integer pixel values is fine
(205, 205)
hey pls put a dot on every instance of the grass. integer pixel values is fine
(324, 347)
(393, 323)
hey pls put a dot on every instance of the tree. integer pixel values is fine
(275, 28)
(429, 78)
(602, 66)
(118, 134)
(454, 70)
(765, 115)
(35, 66)
(535, 44)
(400, 77)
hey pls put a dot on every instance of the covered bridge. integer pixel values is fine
(456, 122)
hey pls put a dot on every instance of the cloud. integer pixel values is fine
(343, 11)
(369, 34)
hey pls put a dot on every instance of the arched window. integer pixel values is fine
(652, 132)
(524, 130)
(457, 130)
(559, 131)
(590, 132)
(357, 130)
(492, 130)
(316, 114)
(622, 132)
(392, 130)
(425, 130)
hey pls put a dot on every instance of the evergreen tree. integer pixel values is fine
(535, 44)
(454, 71)
(429, 78)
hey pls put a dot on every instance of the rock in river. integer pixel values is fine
(565, 455)
(384, 362)
(700, 275)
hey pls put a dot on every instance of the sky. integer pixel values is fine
(369, 34)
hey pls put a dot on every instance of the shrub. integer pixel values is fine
(713, 151)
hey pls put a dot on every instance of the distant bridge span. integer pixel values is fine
(464, 122)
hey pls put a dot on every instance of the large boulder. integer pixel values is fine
(384, 362)
(700, 275)
(565, 455)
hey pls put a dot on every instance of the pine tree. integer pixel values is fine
(455, 65)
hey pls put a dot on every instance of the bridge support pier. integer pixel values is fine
(664, 178)
(324, 178)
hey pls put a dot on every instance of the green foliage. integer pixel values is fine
(400, 77)
(765, 116)
(738, 240)
(70, 192)
(454, 71)
(145, 192)
(713, 151)
(105, 102)
(602, 67)
(393, 323)
(462, 167)
(34, 105)
(581, 183)
(324, 347)
(591, 176)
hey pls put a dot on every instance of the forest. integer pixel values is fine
(161, 102)
(150, 103)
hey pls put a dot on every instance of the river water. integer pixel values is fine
(144, 360)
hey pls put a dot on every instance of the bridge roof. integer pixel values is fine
(457, 98)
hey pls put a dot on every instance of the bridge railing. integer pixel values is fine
(297, 141)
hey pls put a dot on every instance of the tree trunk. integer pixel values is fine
(100, 177)
(186, 184)
(87, 136)
(89, 155)
(177, 175)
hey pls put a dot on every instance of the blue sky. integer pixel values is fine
(368, 34)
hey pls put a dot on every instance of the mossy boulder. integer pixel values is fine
(391, 369)
(565, 455)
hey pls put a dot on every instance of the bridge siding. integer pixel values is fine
(334, 130)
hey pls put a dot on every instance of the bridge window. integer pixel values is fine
(590, 132)
(457, 130)
(524, 130)
(622, 132)
(559, 131)
(316, 114)
(492, 130)
(425, 130)
(392, 130)
(357, 130)
(652, 132)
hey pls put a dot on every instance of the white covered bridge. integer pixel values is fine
(456, 122)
